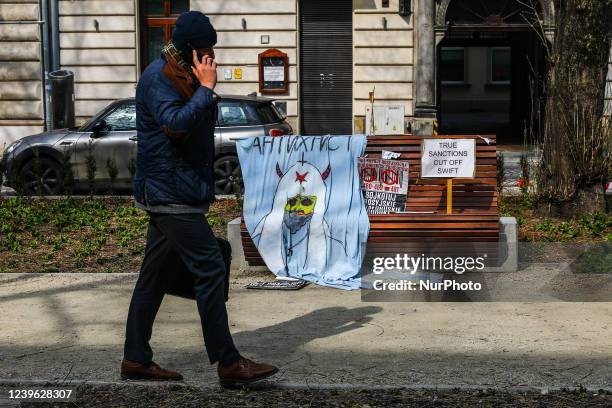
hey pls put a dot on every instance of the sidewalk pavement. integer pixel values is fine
(70, 327)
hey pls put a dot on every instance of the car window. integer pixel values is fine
(247, 113)
(92, 120)
(268, 114)
(237, 114)
(122, 118)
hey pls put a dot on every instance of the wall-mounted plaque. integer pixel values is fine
(273, 72)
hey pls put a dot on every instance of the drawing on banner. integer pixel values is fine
(385, 184)
(299, 205)
(303, 206)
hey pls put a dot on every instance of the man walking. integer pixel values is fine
(175, 117)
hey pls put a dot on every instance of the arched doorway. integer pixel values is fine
(491, 66)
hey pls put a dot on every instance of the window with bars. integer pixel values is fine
(158, 18)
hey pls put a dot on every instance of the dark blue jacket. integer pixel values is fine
(168, 171)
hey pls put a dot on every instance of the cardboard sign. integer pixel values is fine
(278, 285)
(385, 184)
(448, 158)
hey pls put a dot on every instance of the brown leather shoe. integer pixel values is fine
(244, 371)
(131, 370)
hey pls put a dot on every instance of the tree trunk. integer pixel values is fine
(577, 143)
(587, 200)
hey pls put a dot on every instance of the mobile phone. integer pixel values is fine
(188, 54)
(198, 52)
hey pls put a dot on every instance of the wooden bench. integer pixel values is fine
(474, 219)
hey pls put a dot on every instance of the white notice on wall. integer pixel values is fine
(387, 120)
(274, 74)
(395, 120)
(448, 158)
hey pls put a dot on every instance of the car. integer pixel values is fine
(106, 145)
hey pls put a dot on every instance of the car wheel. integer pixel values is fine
(228, 177)
(41, 176)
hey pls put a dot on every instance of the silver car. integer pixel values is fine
(101, 155)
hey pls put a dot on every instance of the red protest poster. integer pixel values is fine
(385, 184)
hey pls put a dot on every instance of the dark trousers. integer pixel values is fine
(187, 240)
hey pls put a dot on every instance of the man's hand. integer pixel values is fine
(205, 70)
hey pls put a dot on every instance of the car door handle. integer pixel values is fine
(134, 138)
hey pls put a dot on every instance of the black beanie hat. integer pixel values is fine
(193, 28)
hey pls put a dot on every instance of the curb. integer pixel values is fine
(516, 389)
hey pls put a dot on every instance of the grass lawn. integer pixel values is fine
(108, 235)
(82, 235)
(536, 228)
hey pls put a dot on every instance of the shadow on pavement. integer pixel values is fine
(290, 335)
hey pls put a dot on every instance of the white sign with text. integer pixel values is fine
(274, 74)
(448, 158)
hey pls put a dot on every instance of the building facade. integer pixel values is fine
(427, 56)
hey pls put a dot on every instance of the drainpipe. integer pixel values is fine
(55, 45)
(46, 59)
